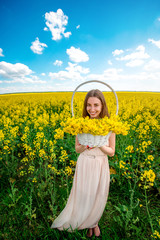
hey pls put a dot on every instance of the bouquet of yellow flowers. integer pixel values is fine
(94, 132)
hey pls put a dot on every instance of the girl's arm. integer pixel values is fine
(110, 150)
(78, 147)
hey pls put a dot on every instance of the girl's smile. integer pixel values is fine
(94, 107)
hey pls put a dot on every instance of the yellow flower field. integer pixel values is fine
(37, 149)
(26, 118)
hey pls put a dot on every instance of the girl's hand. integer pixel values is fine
(89, 148)
(110, 148)
(102, 148)
(107, 150)
(78, 147)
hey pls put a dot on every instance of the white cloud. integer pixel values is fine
(117, 52)
(56, 22)
(77, 55)
(65, 75)
(156, 43)
(23, 88)
(17, 72)
(23, 80)
(73, 67)
(67, 34)
(9, 70)
(78, 26)
(110, 74)
(135, 63)
(73, 72)
(37, 46)
(1, 54)
(109, 62)
(58, 63)
(119, 79)
(43, 74)
(138, 54)
(152, 65)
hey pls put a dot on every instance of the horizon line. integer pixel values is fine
(77, 92)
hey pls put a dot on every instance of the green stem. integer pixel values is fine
(40, 209)
(67, 185)
(149, 216)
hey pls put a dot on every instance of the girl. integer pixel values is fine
(90, 188)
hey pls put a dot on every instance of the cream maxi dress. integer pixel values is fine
(89, 192)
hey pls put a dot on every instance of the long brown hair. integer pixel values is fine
(98, 94)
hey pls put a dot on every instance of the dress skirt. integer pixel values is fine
(89, 192)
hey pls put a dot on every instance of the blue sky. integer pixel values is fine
(56, 45)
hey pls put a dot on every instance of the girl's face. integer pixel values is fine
(94, 107)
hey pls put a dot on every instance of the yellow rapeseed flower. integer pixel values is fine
(102, 126)
(156, 234)
(122, 164)
(68, 170)
(130, 148)
(59, 134)
(34, 180)
(1, 135)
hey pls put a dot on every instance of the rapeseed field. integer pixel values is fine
(38, 159)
